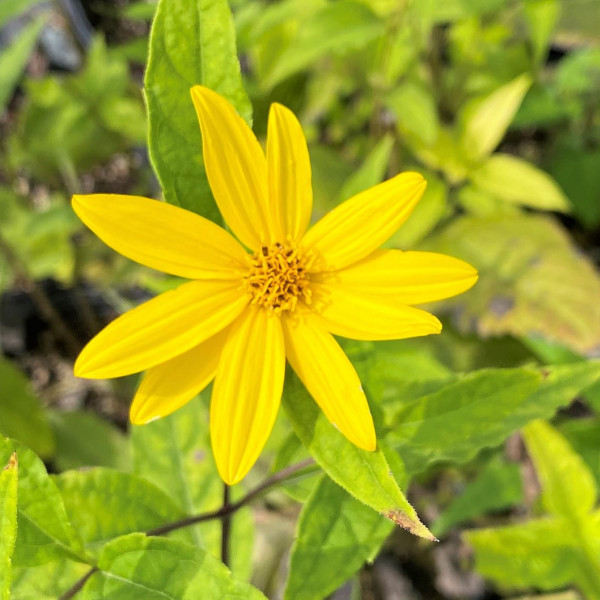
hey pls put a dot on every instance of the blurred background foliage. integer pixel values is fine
(497, 103)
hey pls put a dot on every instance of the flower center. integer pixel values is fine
(278, 278)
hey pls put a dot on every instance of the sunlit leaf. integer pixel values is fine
(515, 180)
(136, 567)
(528, 269)
(485, 121)
(46, 582)
(568, 486)
(44, 532)
(365, 475)
(8, 522)
(481, 410)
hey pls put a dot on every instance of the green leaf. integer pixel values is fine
(192, 43)
(21, 415)
(136, 567)
(46, 582)
(481, 410)
(505, 554)
(371, 171)
(484, 122)
(104, 504)
(528, 268)
(174, 453)
(8, 522)
(338, 27)
(44, 530)
(336, 534)
(515, 180)
(365, 475)
(85, 440)
(568, 486)
(13, 60)
(496, 487)
(415, 111)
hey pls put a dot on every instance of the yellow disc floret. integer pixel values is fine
(278, 278)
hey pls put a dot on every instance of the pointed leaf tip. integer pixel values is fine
(412, 525)
(13, 462)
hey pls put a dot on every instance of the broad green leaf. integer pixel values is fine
(174, 453)
(568, 486)
(46, 582)
(515, 180)
(481, 410)
(528, 268)
(365, 475)
(8, 522)
(44, 532)
(21, 415)
(506, 554)
(338, 27)
(371, 171)
(192, 42)
(13, 60)
(85, 440)
(136, 567)
(336, 534)
(484, 122)
(415, 111)
(497, 487)
(104, 504)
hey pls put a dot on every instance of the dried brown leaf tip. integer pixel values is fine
(414, 526)
(13, 462)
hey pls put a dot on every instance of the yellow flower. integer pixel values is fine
(245, 312)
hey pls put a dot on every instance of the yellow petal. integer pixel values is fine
(236, 168)
(407, 277)
(246, 392)
(161, 328)
(361, 224)
(362, 316)
(162, 236)
(288, 168)
(169, 385)
(329, 377)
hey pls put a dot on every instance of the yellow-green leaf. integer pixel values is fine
(8, 522)
(568, 486)
(485, 121)
(517, 181)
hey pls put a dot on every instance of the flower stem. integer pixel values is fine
(225, 527)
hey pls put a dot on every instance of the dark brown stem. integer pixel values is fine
(235, 506)
(225, 511)
(225, 527)
(40, 298)
(76, 587)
